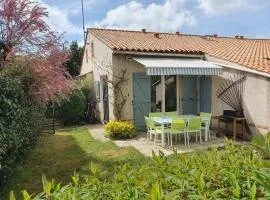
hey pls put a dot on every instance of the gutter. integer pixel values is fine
(191, 56)
(242, 69)
(201, 56)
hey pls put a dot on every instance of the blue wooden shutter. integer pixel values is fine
(205, 93)
(141, 99)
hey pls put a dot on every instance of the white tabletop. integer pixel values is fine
(168, 119)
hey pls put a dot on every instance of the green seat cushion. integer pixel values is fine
(193, 130)
(175, 131)
(159, 130)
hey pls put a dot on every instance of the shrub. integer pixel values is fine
(120, 129)
(231, 173)
(21, 116)
(72, 110)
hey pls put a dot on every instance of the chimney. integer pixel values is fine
(143, 30)
(241, 37)
(215, 35)
(237, 36)
(156, 35)
(177, 33)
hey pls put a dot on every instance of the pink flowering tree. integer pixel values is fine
(25, 35)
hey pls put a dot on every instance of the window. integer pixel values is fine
(97, 90)
(92, 49)
(156, 96)
(170, 93)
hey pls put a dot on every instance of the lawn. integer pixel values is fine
(58, 156)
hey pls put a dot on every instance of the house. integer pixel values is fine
(189, 69)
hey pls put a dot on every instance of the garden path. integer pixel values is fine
(146, 146)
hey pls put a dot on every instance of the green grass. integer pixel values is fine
(58, 156)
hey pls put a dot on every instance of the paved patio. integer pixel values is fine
(146, 146)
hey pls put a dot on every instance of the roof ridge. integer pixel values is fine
(184, 34)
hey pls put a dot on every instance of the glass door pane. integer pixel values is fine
(170, 94)
(156, 95)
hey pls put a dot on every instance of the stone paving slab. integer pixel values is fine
(97, 132)
(146, 146)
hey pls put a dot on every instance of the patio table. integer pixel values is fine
(168, 120)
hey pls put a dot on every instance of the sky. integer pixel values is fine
(250, 18)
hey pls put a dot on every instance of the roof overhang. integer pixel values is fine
(178, 66)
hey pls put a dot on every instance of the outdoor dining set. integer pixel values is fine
(171, 124)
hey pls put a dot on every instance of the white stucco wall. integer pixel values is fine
(120, 62)
(100, 64)
(256, 100)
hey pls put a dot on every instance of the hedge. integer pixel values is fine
(71, 110)
(20, 117)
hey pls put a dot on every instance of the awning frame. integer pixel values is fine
(178, 66)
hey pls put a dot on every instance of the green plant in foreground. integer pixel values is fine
(230, 173)
(262, 143)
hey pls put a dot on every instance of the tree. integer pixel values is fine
(25, 36)
(73, 65)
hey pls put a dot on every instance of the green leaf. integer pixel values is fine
(217, 193)
(173, 195)
(197, 197)
(47, 186)
(12, 195)
(253, 191)
(236, 192)
(156, 192)
(26, 196)
(75, 179)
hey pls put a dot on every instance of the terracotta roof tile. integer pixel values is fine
(252, 53)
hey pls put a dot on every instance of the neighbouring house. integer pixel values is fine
(189, 69)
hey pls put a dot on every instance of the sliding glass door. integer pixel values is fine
(156, 93)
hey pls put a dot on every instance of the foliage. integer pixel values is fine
(262, 143)
(73, 64)
(72, 109)
(25, 35)
(120, 129)
(20, 116)
(85, 83)
(231, 173)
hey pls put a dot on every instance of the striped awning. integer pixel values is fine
(178, 66)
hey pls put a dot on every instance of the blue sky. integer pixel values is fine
(223, 17)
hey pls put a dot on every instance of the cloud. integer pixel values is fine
(221, 7)
(170, 16)
(59, 20)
